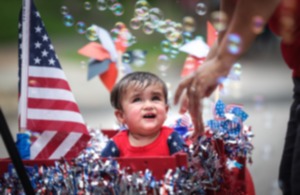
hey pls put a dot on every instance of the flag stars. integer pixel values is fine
(37, 60)
(38, 29)
(37, 45)
(37, 14)
(45, 38)
(51, 47)
(19, 25)
(51, 61)
(45, 53)
(20, 35)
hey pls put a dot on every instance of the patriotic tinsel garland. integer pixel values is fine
(210, 160)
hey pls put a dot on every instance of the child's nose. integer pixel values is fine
(148, 105)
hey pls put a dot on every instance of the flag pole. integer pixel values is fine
(26, 6)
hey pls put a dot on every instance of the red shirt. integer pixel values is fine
(157, 148)
(288, 10)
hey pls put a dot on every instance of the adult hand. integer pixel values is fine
(197, 86)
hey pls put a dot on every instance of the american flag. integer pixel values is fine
(46, 103)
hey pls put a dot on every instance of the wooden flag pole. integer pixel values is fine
(14, 155)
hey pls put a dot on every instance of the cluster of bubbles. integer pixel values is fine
(121, 33)
(149, 20)
(146, 18)
(152, 20)
(113, 5)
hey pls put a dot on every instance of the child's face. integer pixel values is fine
(144, 110)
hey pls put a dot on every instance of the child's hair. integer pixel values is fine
(135, 79)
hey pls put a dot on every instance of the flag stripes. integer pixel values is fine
(67, 126)
(48, 83)
(53, 104)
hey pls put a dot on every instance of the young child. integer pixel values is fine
(140, 102)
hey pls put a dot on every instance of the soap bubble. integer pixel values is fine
(139, 58)
(162, 27)
(187, 36)
(258, 24)
(91, 33)
(126, 58)
(219, 20)
(234, 43)
(173, 52)
(68, 20)
(165, 46)
(120, 25)
(64, 10)
(142, 3)
(87, 5)
(135, 23)
(101, 5)
(173, 35)
(178, 41)
(142, 10)
(114, 33)
(155, 16)
(81, 28)
(141, 13)
(188, 24)
(163, 62)
(178, 27)
(237, 69)
(117, 9)
(201, 9)
(148, 28)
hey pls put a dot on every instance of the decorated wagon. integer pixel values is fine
(64, 155)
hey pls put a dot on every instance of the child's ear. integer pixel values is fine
(167, 107)
(120, 116)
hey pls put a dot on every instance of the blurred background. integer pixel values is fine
(262, 84)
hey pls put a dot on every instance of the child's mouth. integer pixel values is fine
(150, 116)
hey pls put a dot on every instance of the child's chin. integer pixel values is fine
(151, 128)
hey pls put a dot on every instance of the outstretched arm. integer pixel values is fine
(241, 15)
(242, 23)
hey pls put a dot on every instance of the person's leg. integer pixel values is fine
(295, 176)
(285, 168)
(289, 170)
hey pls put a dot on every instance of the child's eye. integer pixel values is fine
(156, 98)
(136, 99)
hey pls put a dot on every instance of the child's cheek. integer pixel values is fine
(134, 112)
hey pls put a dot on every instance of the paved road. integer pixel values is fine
(264, 90)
